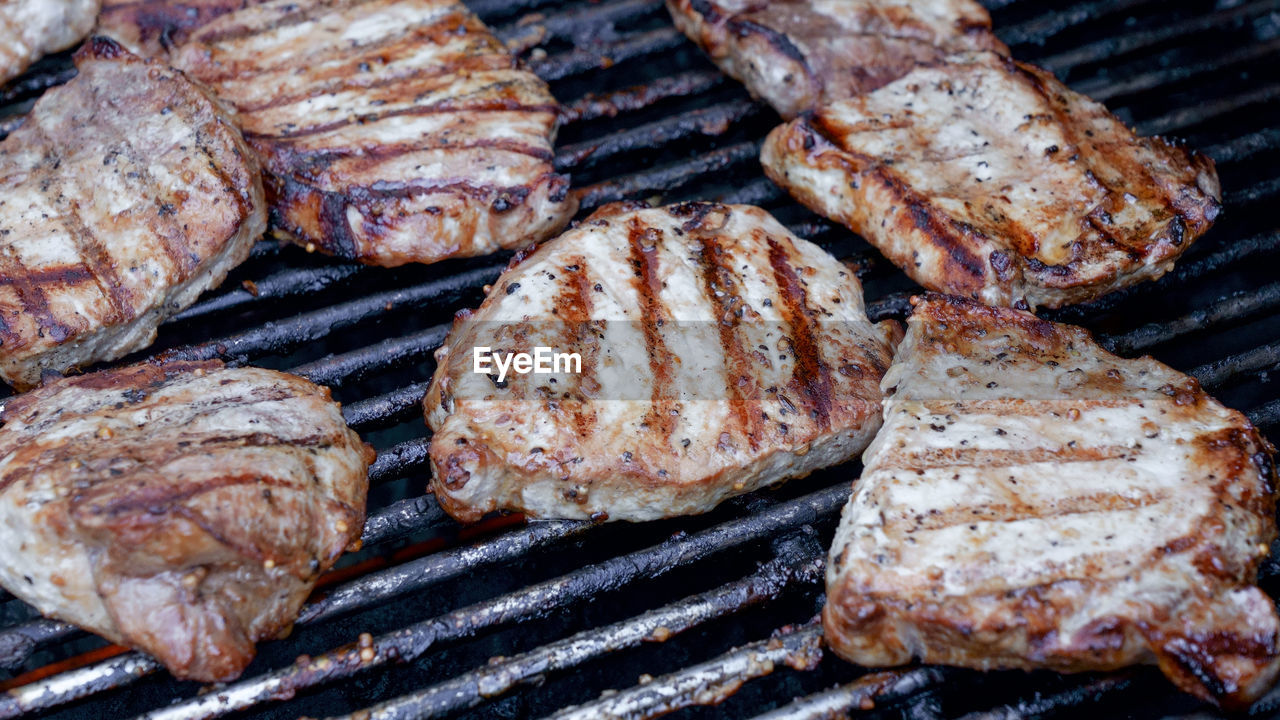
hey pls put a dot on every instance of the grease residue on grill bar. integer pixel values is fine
(1209, 76)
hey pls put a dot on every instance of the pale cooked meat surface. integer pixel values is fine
(988, 178)
(125, 194)
(718, 354)
(391, 131)
(800, 54)
(29, 29)
(1036, 502)
(183, 509)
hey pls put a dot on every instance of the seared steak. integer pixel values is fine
(717, 354)
(184, 509)
(800, 54)
(391, 131)
(988, 178)
(125, 194)
(1036, 502)
(31, 28)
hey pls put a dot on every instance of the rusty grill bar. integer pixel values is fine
(406, 628)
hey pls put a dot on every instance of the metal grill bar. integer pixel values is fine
(713, 120)
(638, 97)
(1188, 116)
(706, 683)
(285, 335)
(1112, 47)
(1046, 704)
(1106, 87)
(794, 564)
(604, 55)
(1220, 371)
(868, 692)
(1039, 29)
(396, 406)
(288, 283)
(338, 370)
(1234, 307)
(667, 178)
(396, 461)
(585, 23)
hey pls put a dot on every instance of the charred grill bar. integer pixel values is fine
(411, 626)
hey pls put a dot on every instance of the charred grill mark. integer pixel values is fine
(1018, 511)
(67, 275)
(444, 106)
(314, 160)
(345, 81)
(98, 261)
(1138, 177)
(182, 261)
(300, 13)
(579, 335)
(811, 376)
(162, 21)
(238, 192)
(335, 228)
(935, 458)
(32, 298)
(644, 242)
(965, 270)
(718, 285)
(743, 27)
(94, 256)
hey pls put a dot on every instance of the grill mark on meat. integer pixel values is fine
(575, 300)
(811, 376)
(1011, 408)
(1018, 511)
(164, 21)
(33, 300)
(444, 106)
(335, 227)
(384, 50)
(977, 457)
(183, 262)
(779, 41)
(345, 81)
(644, 245)
(1155, 192)
(297, 17)
(315, 160)
(94, 258)
(961, 258)
(717, 284)
(62, 274)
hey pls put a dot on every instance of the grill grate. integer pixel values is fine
(407, 627)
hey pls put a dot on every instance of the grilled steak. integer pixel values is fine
(125, 194)
(800, 54)
(31, 28)
(988, 178)
(184, 509)
(391, 131)
(717, 354)
(1036, 502)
